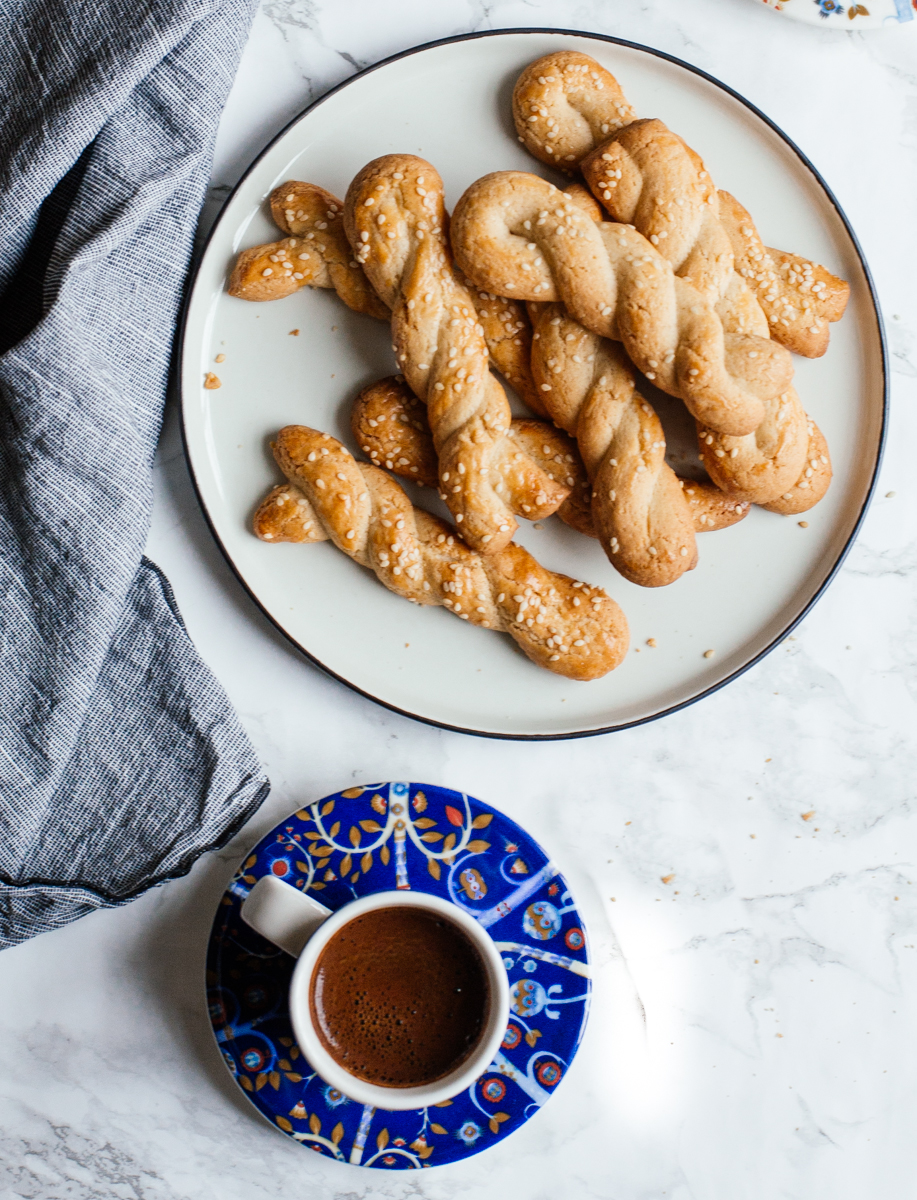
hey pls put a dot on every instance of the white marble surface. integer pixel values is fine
(752, 1037)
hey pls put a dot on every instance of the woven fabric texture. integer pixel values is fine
(121, 759)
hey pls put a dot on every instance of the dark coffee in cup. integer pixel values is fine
(399, 997)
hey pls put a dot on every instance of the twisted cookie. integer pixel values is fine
(647, 176)
(513, 232)
(568, 627)
(394, 217)
(566, 107)
(389, 424)
(783, 466)
(639, 510)
(317, 254)
(508, 325)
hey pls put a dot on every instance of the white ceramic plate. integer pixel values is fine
(449, 102)
(839, 15)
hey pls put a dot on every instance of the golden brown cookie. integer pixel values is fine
(395, 221)
(516, 234)
(638, 508)
(564, 625)
(316, 254)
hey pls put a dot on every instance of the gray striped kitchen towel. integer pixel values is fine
(121, 759)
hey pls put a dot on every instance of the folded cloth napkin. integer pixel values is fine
(121, 760)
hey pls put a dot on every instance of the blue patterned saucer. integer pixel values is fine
(404, 835)
(833, 14)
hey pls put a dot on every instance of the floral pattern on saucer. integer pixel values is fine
(404, 835)
(833, 14)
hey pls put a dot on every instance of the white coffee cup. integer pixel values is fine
(302, 927)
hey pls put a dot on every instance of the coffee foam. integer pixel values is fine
(399, 997)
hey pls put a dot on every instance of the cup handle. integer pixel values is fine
(282, 914)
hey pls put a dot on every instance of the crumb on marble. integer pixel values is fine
(211, 381)
(807, 816)
(294, 333)
(709, 653)
(667, 878)
(651, 642)
(220, 358)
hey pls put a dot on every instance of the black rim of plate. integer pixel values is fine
(867, 274)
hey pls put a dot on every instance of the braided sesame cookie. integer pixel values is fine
(638, 508)
(565, 104)
(812, 482)
(566, 626)
(769, 466)
(395, 220)
(710, 508)
(647, 176)
(567, 109)
(516, 234)
(316, 254)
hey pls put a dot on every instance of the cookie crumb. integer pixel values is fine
(807, 816)
(211, 381)
(888, 495)
(709, 653)
(803, 524)
(667, 878)
(220, 358)
(294, 333)
(651, 642)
